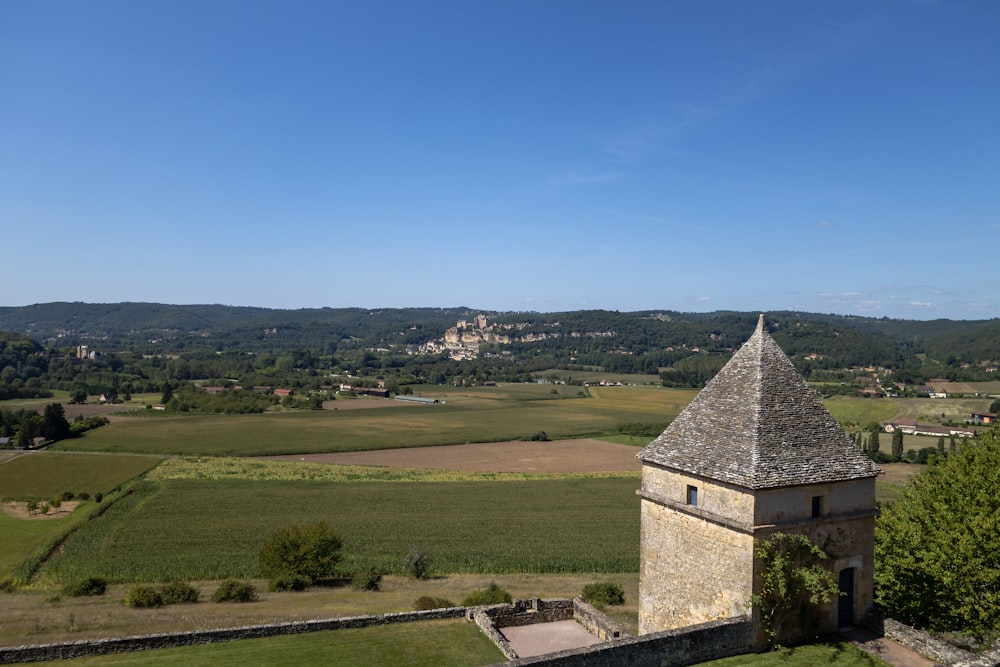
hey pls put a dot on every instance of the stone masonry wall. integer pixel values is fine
(691, 570)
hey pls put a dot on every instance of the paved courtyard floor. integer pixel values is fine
(541, 638)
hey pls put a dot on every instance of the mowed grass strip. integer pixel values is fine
(211, 529)
(42, 475)
(463, 419)
(445, 643)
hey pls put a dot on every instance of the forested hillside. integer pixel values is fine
(141, 346)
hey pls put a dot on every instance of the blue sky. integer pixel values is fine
(836, 157)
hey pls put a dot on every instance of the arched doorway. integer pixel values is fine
(845, 604)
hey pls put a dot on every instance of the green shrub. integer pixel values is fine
(425, 602)
(417, 564)
(289, 582)
(98, 497)
(179, 592)
(603, 594)
(232, 590)
(89, 586)
(8, 585)
(492, 594)
(83, 495)
(144, 597)
(310, 550)
(67, 495)
(369, 579)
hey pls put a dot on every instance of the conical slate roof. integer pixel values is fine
(758, 425)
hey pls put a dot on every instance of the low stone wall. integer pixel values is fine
(672, 648)
(529, 612)
(942, 653)
(42, 652)
(596, 622)
(517, 613)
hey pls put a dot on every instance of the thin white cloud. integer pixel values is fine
(824, 223)
(921, 304)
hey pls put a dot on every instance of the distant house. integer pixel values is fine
(904, 425)
(215, 390)
(984, 417)
(283, 392)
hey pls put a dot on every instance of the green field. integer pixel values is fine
(41, 475)
(21, 539)
(210, 529)
(476, 415)
(449, 642)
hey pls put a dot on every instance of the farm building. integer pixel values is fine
(754, 454)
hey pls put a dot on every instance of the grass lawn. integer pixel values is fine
(434, 643)
(834, 654)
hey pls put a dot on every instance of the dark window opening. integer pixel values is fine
(692, 495)
(817, 506)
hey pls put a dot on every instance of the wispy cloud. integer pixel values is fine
(921, 304)
(824, 223)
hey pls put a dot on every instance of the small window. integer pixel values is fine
(817, 506)
(692, 495)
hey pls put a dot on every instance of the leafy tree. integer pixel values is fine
(310, 550)
(54, 424)
(794, 580)
(417, 564)
(897, 445)
(78, 396)
(995, 406)
(940, 445)
(937, 548)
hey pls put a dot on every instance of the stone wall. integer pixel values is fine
(671, 648)
(596, 622)
(691, 570)
(42, 652)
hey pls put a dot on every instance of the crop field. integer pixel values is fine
(21, 539)
(208, 529)
(465, 418)
(41, 475)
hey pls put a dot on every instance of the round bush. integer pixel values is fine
(89, 586)
(144, 597)
(289, 582)
(425, 603)
(179, 592)
(367, 580)
(231, 590)
(492, 594)
(603, 594)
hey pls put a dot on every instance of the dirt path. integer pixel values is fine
(558, 456)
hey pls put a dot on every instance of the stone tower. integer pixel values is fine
(755, 453)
